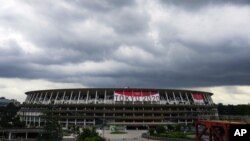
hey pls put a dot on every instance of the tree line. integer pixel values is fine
(243, 110)
(9, 117)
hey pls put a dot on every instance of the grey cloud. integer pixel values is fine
(199, 4)
(102, 6)
(127, 21)
(71, 33)
(13, 50)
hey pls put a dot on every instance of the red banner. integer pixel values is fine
(136, 96)
(198, 98)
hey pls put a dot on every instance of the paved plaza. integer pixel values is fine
(132, 135)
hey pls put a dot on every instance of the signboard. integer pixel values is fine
(136, 96)
(198, 98)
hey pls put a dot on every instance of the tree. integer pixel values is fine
(9, 118)
(52, 129)
(233, 109)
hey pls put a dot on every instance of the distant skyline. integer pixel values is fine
(197, 45)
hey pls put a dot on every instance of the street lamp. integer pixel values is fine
(103, 125)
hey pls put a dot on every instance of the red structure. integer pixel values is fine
(217, 130)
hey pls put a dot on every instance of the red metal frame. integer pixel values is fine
(215, 129)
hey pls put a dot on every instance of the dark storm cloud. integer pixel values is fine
(127, 43)
(199, 4)
(102, 6)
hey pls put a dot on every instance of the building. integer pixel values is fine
(5, 102)
(130, 107)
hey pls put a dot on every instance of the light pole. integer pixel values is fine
(103, 125)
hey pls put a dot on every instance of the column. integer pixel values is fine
(87, 97)
(160, 101)
(167, 96)
(96, 96)
(133, 99)
(174, 98)
(205, 98)
(70, 96)
(39, 121)
(50, 97)
(26, 120)
(104, 97)
(31, 100)
(39, 100)
(56, 97)
(84, 123)
(142, 98)
(114, 99)
(10, 134)
(79, 95)
(67, 124)
(26, 135)
(45, 97)
(211, 101)
(181, 97)
(63, 96)
(187, 98)
(36, 98)
(30, 120)
(28, 98)
(34, 116)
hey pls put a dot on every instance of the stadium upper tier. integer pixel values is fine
(130, 107)
(118, 96)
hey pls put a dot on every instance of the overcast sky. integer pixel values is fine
(198, 45)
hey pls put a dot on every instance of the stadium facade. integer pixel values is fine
(130, 107)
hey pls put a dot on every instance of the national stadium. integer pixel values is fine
(133, 108)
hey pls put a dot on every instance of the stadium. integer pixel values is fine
(133, 108)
